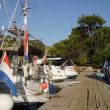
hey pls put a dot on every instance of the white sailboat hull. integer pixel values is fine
(70, 72)
(31, 98)
(31, 92)
(57, 74)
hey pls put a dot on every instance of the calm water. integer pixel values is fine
(34, 106)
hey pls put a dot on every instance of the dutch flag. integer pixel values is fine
(6, 74)
(26, 45)
(26, 36)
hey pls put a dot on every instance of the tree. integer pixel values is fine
(89, 25)
(58, 50)
(87, 43)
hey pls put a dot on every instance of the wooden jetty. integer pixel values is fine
(92, 93)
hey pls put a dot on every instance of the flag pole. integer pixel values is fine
(25, 10)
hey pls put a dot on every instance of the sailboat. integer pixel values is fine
(58, 73)
(26, 86)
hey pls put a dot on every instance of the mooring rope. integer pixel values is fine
(10, 22)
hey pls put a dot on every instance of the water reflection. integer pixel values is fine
(33, 106)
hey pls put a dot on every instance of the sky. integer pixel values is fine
(52, 20)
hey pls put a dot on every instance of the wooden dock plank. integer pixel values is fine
(104, 94)
(100, 103)
(77, 97)
(106, 87)
(91, 93)
(83, 96)
(74, 105)
(91, 100)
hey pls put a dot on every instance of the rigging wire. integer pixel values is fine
(0, 6)
(8, 6)
(6, 9)
(16, 48)
(44, 8)
(51, 21)
(10, 21)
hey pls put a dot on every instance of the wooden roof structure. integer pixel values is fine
(33, 49)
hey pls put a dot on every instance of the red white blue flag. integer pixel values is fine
(6, 74)
(44, 59)
(26, 45)
(26, 35)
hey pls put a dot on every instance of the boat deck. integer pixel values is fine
(92, 93)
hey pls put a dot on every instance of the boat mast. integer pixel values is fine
(26, 14)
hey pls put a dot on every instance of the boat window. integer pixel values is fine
(59, 62)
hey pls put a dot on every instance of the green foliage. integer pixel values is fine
(89, 42)
(105, 52)
(97, 59)
(91, 21)
(58, 49)
(82, 59)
